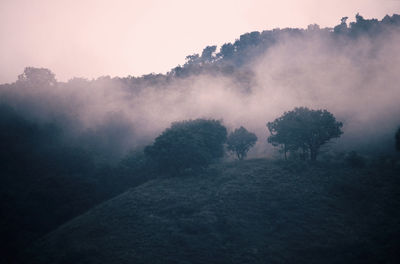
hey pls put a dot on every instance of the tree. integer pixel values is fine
(240, 141)
(189, 144)
(342, 27)
(398, 139)
(304, 129)
(36, 77)
(283, 133)
(208, 53)
(227, 51)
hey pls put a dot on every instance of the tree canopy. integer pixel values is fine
(188, 145)
(240, 141)
(37, 77)
(304, 129)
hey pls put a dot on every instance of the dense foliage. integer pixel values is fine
(304, 129)
(240, 141)
(188, 145)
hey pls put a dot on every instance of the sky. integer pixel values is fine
(92, 38)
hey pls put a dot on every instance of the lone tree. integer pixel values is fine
(37, 77)
(189, 144)
(304, 129)
(398, 139)
(240, 141)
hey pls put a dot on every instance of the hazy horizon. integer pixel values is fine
(93, 38)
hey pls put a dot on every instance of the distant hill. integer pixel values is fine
(255, 211)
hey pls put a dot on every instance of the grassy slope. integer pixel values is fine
(255, 211)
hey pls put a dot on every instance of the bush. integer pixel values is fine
(187, 145)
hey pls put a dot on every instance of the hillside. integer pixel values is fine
(255, 211)
(66, 147)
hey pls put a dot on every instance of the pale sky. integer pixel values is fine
(91, 38)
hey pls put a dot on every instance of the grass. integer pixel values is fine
(255, 211)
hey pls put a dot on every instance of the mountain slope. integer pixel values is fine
(254, 211)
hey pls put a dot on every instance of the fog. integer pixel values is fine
(67, 145)
(91, 38)
(357, 79)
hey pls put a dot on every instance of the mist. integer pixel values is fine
(68, 146)
(355, 78)
(122, 37)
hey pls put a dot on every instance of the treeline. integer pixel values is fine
(233, 58)
(300, 134)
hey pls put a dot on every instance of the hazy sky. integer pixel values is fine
(90, 38)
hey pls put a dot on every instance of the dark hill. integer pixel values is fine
(255, 211)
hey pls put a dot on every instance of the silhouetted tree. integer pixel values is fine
(192, 59)
(398, 139)
(227, 51)
(240, 141)
(208, 53)
(247, 40)
(36, 77)
(304, 129)
(283, 133)
(313, 27)
(189, 144)
(342, 27)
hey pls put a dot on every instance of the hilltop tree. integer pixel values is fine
(208, 53)
(227, 51)
(283, 133)
(342, 27)
(36, 77)
(304, 129)
(189, 144)
(240, 141)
